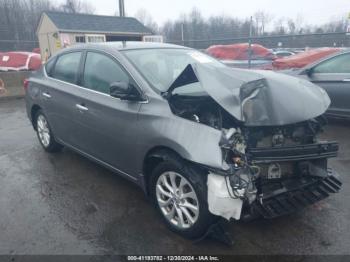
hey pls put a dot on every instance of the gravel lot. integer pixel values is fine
(66, 204)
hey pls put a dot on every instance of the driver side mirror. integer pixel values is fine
(124, 91)
(309, 72)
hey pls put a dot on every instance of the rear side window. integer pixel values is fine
(101, 71)
(67, 67)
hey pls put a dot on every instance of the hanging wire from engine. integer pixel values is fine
(240, 186)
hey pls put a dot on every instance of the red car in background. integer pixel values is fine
(237, 55)
(303, 59)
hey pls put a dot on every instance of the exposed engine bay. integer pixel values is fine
(200, 109)
(271, 170)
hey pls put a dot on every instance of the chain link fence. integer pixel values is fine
(18, 45)
(276, 41)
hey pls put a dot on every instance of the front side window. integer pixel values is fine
(101, 71)
(339, 64)
(67, 67)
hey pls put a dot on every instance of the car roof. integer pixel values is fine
(127, 45)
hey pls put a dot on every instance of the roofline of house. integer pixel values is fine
(83, 14)
(87, 31)
(102, 32)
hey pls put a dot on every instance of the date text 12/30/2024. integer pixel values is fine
(173, 258)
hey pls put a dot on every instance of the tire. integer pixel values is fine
(44, 133)
(196, 179)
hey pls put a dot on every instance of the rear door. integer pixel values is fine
(334, 76)
(60, 95)
(108, 124)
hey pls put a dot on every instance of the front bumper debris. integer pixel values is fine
(293, 194)
(294, 153)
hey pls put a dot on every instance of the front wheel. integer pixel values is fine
(179, 193)
(44, 133)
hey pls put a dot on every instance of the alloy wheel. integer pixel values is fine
(177, 200)
(43, 130)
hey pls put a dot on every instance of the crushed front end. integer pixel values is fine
(275, 171)
(273, 162)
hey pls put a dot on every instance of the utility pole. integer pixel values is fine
(182, 34)
(121, 8)
(122, 14)
(250, 43)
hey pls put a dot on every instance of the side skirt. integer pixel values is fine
(129, 177)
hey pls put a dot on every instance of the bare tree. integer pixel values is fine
(280, 26)
(262, 20)
(336, 24)
(19, 20)
(77, 6)
(144, 17)
(196, 24)
(299, 23)
(291, 26)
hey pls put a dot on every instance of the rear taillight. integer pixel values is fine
(25, 84)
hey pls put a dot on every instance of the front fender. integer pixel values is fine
(192, 141)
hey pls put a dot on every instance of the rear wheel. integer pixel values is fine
(44, 133)
(179, 193)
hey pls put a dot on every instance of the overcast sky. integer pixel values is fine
(313, 11)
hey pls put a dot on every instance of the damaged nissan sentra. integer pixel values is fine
(203, 140)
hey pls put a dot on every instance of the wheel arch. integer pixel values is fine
(34, 109)
(155, 156)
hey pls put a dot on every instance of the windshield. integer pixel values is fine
(161, 67)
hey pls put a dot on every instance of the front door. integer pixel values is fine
(108, 124)
(334, 76)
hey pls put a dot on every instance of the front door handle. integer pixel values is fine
(346, 80)
(46, 95)
(81, 107)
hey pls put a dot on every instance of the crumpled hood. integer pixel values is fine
(262, 98)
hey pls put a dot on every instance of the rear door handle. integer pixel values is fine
(81, 107)
(47, 95)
